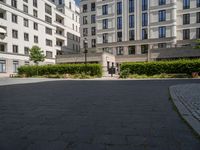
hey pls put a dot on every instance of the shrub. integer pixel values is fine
(61, 69)
(125, 73)
(159, 67)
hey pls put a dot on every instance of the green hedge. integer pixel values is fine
(72, 69)
(158, 67)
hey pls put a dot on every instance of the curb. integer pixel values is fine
(184, 112)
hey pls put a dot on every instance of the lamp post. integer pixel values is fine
(85, 42)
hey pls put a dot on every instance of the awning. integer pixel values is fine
(2, 30)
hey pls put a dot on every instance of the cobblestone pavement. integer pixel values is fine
(92, 115)
(189, 97)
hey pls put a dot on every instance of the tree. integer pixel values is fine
(36, 55)
(197, 44)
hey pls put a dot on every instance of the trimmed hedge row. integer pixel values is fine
(89, 69)
(168, 67)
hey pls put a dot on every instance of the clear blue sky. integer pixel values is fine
(77, 1)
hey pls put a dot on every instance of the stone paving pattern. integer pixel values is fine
(189, 95)
(92, 115)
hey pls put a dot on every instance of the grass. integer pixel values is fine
(159, 76)
(62, 76)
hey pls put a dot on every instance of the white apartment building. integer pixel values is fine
(129, 29)
(53, 25)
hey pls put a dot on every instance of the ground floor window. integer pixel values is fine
(15, 66)
(144, 49)
(120, 50)
(162, 45)
(2, 66)
(131, 50)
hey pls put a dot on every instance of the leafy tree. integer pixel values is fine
(197, 44)
(36, 55)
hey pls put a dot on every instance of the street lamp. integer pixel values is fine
(85, 42)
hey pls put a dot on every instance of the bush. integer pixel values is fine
(125, 73)
(61, 69)
(159, 67)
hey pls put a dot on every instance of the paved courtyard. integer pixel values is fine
(92, 115)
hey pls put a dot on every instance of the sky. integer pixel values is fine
(77, 1)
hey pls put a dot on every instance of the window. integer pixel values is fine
(162, 32)
(48, 31)
(119, 22)
(131, 6)
(93, 30)
(85, 31)
(144, 19)
(26, 50)
(14, 3)
(131, 35)
(104, 9)
(119, 36)
(15, 66)
(198, 17)
(198, 33)
(15, 49)
(26, 63)
(162, 2)
(162, 45)
(198, 3)
(186, 34)
(35, 13)
(35, 26)
(93, 18)
(93, 6)
(119, 8)
(144, 49)
(162, 15)
(120, 50)
(105, 23)
(105, 38)
(85, 8)
(131, 21)
(25, 1)
(35, 3)
(48, 9)
(26, 37)
(93, 42)
(186, 4)
(70, 5)
(2, 66)
(48, 42)
(15, 34)
(25, 8)
(85, 20)
(131, 50)
(144, 5)
(186, 19)
(144, 34)
(26, 22)
(2, 47)
(14, 18)
(49, 54)
(48, 19)
(35, 39)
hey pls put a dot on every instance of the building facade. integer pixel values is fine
(129, 29)
(53, 25)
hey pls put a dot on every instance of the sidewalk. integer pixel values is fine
(10, 81)
(187, 100)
